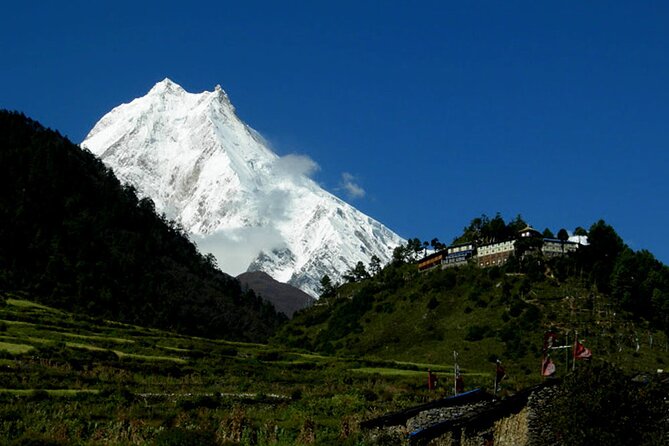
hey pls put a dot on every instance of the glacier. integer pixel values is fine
(217, 177)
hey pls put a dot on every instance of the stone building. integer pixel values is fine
(495, 254)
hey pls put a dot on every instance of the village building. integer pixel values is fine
(454, 255)
(555, 247)
(458, 255)
(494, 254)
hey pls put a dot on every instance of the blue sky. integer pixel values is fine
(437, 111)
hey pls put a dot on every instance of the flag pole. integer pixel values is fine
(566, 351)
(543, 358)
(573, 363)
(455, 373)
(496, 366)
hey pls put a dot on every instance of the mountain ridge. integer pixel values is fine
(216, 176)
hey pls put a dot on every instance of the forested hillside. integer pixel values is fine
(73, 237)
(616, 299)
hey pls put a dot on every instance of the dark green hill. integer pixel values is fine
(72, 236)
(613, 297)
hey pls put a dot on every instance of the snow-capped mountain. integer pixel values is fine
(255, 211)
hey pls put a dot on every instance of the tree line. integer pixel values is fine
(73, 237)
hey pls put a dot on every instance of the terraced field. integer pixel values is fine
(69, 379)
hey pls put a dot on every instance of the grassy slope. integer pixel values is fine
(481, 314)
(79, 380)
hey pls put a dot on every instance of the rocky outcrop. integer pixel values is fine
(286, 298)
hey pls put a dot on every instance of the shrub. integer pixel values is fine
(35, 439)
(611, 408)
(196, 354)
(474, 295)
(531, 315)
(209, 402)
(296, 394)
(516, 308)
(477, 332)
(369, 395)
(185, 437)
(271, 355)
(39, 395)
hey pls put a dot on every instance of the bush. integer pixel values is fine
(34, 439)
(531, 316)
(269, 356)
(39, 395)
(227, 351)
(369, 395)
(296, 394)
(184, 437)
(477, 332)
(516, 308)
(610, 409)
(209, 402)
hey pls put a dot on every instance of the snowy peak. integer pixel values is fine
(222, 96)
(166, 86)
(254, 210)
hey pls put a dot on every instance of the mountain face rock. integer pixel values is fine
(216, 177)
(286, 298)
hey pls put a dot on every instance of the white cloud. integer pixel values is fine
(274, 205)
(350, 185)
(296, 165)
(235, 249)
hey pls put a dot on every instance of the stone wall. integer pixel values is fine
(507, 431)
(520, 420)
(517, 421)
(540, 431)
(513, 430)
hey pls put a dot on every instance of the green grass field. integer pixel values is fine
(76, 380)
(15, 349)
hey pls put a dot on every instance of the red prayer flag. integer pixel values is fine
(501, 373)
(459, 384)
(581, 352)
(550, 339)
(547, 367)
(431, 380)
